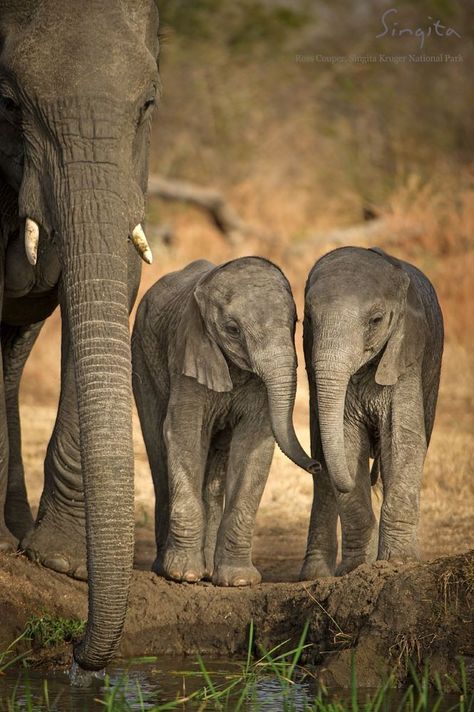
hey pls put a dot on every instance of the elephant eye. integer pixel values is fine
(147, 108)
(232, 329)
(376, 319)
(149, 103)
(9, 109)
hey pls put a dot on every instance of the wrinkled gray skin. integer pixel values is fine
(214, 377)
(77, 84)
(373, 341)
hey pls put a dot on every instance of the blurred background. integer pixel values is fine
(314, 133)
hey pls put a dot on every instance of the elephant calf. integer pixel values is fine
(373, 341)
(214, 379)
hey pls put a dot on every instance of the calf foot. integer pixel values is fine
(209, 564)
(399, 557)
(18, 516)
(398, 550)
(316, 566)
(180, 565)
(58, 542)
(230, 575)
(8, 543)
(348, 564)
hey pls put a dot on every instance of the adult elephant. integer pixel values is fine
(77, 87)
(373, 341)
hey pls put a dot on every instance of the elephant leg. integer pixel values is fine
(321, 547)
(158, 466)
(358, 523)
(58, 538)
(17, 342)
(187, 446)
(7, 541)
(250, 458)
(213, 494)
(151, 390)
(403, 454)
(152, 429)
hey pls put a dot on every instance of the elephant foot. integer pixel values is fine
(59, 544)
(209, 564)
(399, 557)
(178, 565)
(18, 517)
(398, 551)
(8, 543)
(349, 564)
(315, 567)
(228, 575)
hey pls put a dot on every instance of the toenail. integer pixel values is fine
(57, 563)
(80, 573)
(31, 554)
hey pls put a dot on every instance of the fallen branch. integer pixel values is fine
(210, 200)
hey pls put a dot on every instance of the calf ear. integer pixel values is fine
(407, 339)
(200, 356)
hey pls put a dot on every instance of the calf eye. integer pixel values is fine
(149, 103)
(232, 329)
(376, 319)
(146, 109)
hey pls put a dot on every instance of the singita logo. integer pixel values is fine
(434, 29)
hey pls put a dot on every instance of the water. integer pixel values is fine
(143, 686)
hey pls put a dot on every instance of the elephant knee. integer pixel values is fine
(170, 434)
(167, 432)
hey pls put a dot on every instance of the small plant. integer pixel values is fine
(47, 631)
(8, 657)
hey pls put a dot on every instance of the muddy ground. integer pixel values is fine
(382, 613)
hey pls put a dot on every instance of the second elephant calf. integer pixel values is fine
(214, 375)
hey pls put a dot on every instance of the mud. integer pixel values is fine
(382, 614)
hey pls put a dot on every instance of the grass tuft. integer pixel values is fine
(47, 631)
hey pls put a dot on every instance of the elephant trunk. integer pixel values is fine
(279, 375)
(93, 247)
(331, 384)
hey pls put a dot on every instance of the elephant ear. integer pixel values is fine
(201, 357)
(407, 339)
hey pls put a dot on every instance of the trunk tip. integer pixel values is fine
(79, 677)
(345, 486)
(314, 467)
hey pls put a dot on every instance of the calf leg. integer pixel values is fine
(250, 457)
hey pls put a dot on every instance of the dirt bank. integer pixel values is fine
(382, 613)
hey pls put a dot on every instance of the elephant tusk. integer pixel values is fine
(31, 240)
(141, 244)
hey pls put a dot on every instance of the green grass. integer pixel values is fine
(9, 656)
(43, 632)
(274, 679)
(46, 631)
